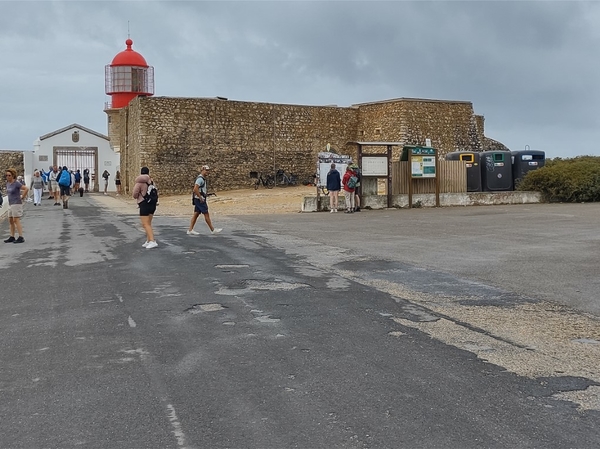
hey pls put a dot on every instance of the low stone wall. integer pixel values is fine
(310, 203)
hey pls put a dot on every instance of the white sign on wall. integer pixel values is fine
(374, 166)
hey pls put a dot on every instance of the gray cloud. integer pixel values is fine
(528, 67)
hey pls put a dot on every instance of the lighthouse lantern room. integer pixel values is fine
(127, 77)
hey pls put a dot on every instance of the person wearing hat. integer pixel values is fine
(200, 204)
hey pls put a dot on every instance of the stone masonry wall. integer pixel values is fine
(174, 137)
(12, 159)
(451, 125)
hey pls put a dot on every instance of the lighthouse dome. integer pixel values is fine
(129, 57)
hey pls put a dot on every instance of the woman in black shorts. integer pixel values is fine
(118, 182)
(147, 209)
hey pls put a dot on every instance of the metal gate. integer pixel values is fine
(78, 158)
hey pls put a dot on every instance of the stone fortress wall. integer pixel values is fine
(12, 159)
(174, 137)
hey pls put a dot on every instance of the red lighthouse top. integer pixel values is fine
(129, 57)
(127, 77)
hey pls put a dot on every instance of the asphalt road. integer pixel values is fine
(295, 331)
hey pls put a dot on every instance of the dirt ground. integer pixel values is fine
(280, 200)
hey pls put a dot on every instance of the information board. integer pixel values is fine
(374, 166)
(422, 166)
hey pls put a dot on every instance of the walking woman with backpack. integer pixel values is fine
(146, 204)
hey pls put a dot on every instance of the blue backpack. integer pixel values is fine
(65, 179)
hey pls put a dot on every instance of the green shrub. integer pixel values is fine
(566, 180)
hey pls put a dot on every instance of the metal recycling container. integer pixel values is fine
(496, 171)
(471, 160)
(524, 161)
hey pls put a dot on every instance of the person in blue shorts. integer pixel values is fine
(200, 204)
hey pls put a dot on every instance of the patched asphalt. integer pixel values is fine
(383, 329)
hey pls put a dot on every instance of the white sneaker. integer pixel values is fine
(332, 211)
(192, 232)
(216, 231)
(151, 244)
(145, 244)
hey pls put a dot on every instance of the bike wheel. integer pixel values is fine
(270, 183)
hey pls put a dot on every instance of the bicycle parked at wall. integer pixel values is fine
(267, 181)
(283, 179)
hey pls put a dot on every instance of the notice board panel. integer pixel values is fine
(374, 166)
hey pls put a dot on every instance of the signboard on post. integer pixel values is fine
(423, 165)
(375, 165)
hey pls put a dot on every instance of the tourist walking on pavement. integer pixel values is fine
(147, 208)
(200, 204)
(105, 175)
(65, 182)
(77, 180)
(54, 184)
(348, 189)
(16, 193)
(334, 185)
(37, 184)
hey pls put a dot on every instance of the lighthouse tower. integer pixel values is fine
(128, 76)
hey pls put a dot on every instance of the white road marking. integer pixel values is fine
(177, 429)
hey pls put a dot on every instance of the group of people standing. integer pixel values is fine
(147, 204)
(349, 183)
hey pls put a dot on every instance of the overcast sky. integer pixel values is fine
(530, 67)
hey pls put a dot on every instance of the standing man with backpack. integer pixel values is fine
(349, 183)
(356, 169)
(200, 204)
(65, 182)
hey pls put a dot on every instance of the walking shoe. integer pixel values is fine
(357, 209)
(57, 204)
(192, 232)
(19, 240)
(151, 244)
(9, 240)
(332, 211)
(145, 244)
(335, 210)
(216, 230)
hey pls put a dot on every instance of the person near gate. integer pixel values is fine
(37, 184)
(86, 179)
(105, 175)
(53, 181)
